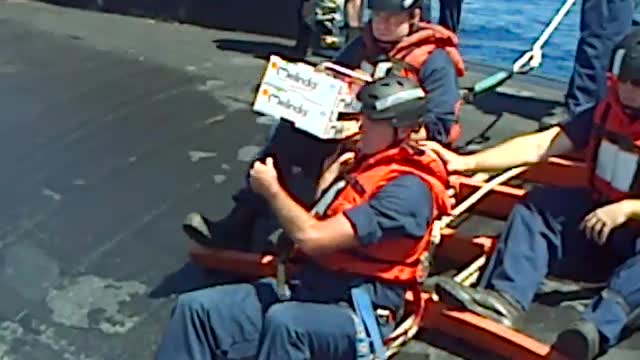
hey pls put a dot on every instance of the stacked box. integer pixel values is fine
(298, 93)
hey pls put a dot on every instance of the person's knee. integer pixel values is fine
(281, 317)
(191, 302)
(521, 210)
(211, 300)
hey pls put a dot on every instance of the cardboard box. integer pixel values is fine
(308, 98)
(303, 79)
(283, 104)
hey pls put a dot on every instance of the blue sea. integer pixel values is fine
(499, 31)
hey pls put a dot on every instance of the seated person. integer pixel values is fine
(370, 237)
(553, 224)
(431, 57)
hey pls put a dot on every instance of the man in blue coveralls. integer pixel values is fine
(603, 23)
(555, 224)
(393, 21)
(450, 13)
(318, 321)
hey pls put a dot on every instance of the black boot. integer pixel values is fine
(491, 304)
(580, 341)
(231, 232)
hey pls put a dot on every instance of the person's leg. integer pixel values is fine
(609, 314)
(603, 23)
(236, 229)
(216, 323)
(303, 35)
(610, 310)
(540, 231)
(450, 12)
(304, 330)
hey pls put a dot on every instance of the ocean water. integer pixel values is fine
(500, 31)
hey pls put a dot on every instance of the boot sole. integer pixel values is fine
(452, 295)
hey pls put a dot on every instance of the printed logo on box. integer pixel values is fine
(295, 77)
(303, 79)
(284, 103)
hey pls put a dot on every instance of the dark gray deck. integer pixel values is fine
(111, 130)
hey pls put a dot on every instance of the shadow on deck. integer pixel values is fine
(274, 17)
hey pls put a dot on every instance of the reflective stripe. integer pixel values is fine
(616, 166)
(327, 199)
(616, 65)
(364, 308)
(363, 346)
(399, 98)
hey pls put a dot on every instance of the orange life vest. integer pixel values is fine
(614, 149)
(414, 51)
(397, 260)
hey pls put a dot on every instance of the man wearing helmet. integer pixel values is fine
(368, 238)
(426, 52)
(423, 51)
(555, 224)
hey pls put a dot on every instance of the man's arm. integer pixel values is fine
(535, 147)
(438, 76)
(401, 207)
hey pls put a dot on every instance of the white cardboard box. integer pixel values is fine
(306, 115)
(309, 99)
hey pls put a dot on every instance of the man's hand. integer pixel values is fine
(454, 162)
(599, 223)
(334, 169)
(264, 178)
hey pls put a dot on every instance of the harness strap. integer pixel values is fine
(363, 345)
(364, 309)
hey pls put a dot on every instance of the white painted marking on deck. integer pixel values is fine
(219, 178)
(195, 155)
(52, 194)
(214, 119)
(248, 153)
(72, 303)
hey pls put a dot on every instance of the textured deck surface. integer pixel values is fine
(112, 129)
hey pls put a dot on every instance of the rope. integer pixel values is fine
(534, 56)
(407, 329)
(471, 200)
(527, 62)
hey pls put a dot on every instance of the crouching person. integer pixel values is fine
(558, 224)
(368, 240)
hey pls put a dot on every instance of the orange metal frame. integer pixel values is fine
(467, 326)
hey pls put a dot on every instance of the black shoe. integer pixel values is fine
(581, 341)
(491, 304)
(232, 232)
(198, 228)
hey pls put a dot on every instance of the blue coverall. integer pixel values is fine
(247, 320)
(603, 24)
(450, 12)
(544, 230)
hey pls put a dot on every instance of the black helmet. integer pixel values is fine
(395, 98)
(625, 62)
(393, 5)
